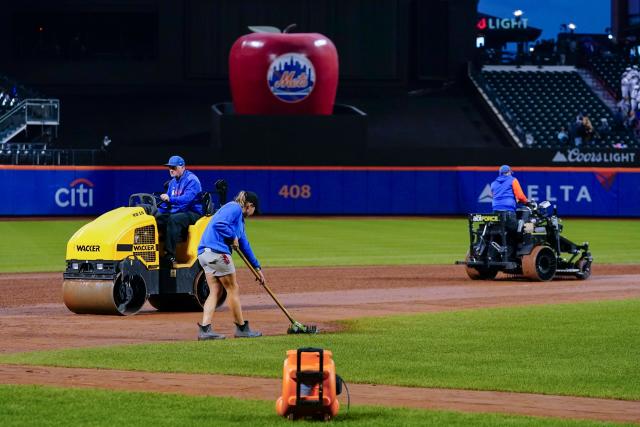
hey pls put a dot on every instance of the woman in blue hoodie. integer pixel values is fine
(224, 232)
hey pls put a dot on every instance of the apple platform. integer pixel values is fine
(339, 138)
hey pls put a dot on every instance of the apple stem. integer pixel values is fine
(289, 27)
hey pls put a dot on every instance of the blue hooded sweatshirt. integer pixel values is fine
(184, 194)
(503, 197)
(226, 225)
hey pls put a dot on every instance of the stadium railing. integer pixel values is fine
(504, 112)
(29, 112)
(40, 154)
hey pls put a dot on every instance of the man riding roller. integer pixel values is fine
(506, 191)
(182, 206)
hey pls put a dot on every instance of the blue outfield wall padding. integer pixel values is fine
(68, 191)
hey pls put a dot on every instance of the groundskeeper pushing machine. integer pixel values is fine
(113, 262)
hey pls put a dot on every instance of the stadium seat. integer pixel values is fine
(609, 70)
(541, 102)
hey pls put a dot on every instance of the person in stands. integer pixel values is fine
(563, 136)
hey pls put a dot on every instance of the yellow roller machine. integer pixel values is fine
(113, 262)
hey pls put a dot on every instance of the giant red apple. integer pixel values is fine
(283, 73)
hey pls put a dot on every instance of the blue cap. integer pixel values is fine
(504, 169)
(175, 161)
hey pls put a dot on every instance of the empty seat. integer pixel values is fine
(541, 102)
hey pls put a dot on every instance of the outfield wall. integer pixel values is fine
(87, 191)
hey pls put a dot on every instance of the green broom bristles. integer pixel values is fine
(299, 328)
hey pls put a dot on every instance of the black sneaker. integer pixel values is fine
(245, 332)
(207, 333)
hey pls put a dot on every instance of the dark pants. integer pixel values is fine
(510, 219)
(173, 226)
(511, 227)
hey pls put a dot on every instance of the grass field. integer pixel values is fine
(40, 245)
(67, 407)
(589, 349)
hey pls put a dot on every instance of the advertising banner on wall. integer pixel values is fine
(84, 191)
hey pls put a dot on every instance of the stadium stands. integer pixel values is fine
(542, 102)
(609, 69)
(21, 107)
(12, 92)
(41, 154)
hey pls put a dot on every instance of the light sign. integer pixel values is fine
(501, 24)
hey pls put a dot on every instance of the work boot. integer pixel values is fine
(207, 333)
(245, 332)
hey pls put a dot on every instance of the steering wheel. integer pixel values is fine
(148, 201)
(161, 203)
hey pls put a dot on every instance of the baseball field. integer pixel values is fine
(417, 342)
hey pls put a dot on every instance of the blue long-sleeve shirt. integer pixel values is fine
(225, 225)
(184, 194)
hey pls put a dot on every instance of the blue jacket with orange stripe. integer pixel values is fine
(506, 190)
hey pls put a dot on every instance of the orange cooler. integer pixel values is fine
(308, 385)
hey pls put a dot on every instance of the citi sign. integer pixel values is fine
(79, 193)
(501, 24)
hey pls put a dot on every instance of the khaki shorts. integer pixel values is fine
(216, 264)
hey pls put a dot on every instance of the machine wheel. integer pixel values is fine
(174, 302)
(480, 273)
(540, 265)
(129, 294)
(124, 296)
(585, 269)
(187, 302)
(201, 290)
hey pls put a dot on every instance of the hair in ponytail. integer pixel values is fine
(241, 198)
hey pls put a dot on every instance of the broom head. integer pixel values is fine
(299, 328)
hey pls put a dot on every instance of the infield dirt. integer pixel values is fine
(32, 317)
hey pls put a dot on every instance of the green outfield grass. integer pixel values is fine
(361, 241)
(50, 406)
(30, 246)
(588, 349)
(40, 245)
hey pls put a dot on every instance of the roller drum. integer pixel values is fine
(115, 297)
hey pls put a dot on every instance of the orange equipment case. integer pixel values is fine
(309, 386)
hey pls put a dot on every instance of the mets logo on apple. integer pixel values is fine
(291, 77)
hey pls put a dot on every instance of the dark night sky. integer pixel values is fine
(590, 16)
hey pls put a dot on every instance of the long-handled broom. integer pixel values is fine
(295, 327)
